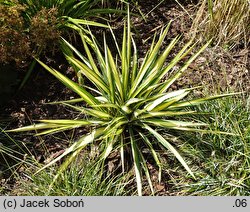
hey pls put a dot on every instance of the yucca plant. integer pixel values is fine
(67, 11)
(70, 13)
(77, 9)
(127, 104)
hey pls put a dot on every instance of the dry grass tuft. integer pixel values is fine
(226, 22)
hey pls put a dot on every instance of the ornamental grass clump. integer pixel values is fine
(226, 22)
(128, 104)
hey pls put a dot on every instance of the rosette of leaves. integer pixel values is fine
(128, 103)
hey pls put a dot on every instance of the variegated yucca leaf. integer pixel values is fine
(127, 102)
(74, 14)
